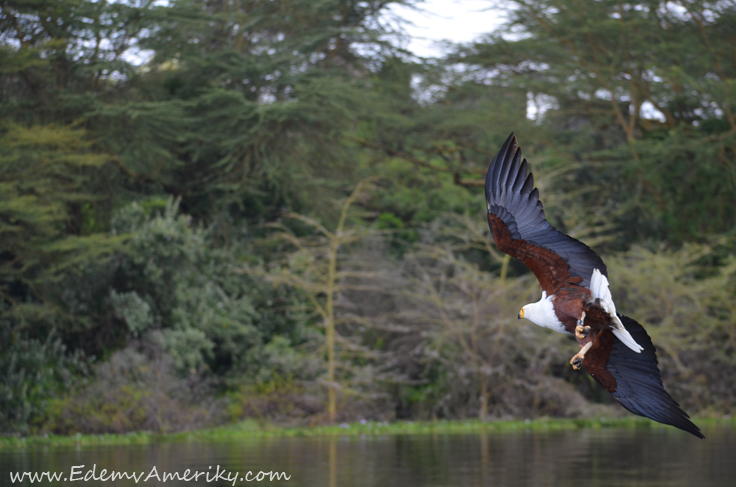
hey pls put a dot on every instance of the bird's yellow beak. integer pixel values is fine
(521, 313)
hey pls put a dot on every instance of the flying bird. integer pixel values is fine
(614, 348)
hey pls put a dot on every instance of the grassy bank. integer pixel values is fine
(252, 429)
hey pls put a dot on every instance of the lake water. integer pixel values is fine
(585, 458)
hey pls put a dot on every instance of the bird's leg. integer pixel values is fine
(581, 331)
(577, 360)
(596, 340)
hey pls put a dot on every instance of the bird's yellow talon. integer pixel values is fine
(581, 332)
(577, 360)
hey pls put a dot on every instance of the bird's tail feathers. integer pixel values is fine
(599, 290)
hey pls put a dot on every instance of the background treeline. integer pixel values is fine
(220, 209)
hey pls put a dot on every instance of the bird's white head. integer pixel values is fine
(542, 313)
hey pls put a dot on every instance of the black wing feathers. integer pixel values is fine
(639, 383)
(510, 195)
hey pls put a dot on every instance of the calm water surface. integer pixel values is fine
(608, 457)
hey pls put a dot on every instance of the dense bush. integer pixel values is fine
(136, 390)
(34, 372)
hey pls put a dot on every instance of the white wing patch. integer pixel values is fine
(599, 289)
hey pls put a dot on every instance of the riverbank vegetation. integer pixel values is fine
(249, 430)
(217, 211)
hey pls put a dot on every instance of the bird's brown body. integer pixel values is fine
(553, 273)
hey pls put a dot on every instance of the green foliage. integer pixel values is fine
(48, 177)
(279, 396)
(34, 371)
(172, 286)
(134, 391)
(45, 174)
(133, 310)
(148, 151)
(245, 116)
(418, 197)
(252, 430)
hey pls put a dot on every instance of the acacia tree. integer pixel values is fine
(642, 94)
(244, 103)
(314, 269)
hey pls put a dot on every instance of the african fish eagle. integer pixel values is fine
(614, 349)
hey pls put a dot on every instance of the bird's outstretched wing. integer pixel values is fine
(516, 219)
(634, 378)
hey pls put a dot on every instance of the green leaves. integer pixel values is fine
(172, 287)
(34, 371)
(46, 174)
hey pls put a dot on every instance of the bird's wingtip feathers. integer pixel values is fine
(639, 383)
(494, 169)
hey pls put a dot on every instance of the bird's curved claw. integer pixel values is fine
(581, 332)
(577, 360)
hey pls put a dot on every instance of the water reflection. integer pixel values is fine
(609, 457)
